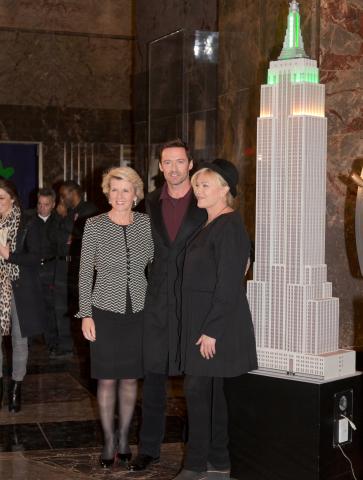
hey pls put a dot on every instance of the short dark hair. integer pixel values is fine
(175, 143)
(46, 192)
(10, 189)
(71, 185)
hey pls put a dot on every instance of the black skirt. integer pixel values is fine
(117, 351)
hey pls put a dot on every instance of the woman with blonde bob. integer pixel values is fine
(217, 333)
(116, 248)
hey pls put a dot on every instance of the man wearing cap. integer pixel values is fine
(174, 219)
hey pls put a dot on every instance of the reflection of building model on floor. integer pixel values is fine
(295, 316)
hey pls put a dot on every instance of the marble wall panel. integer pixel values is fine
(341, 71)
(65, 75)
(53, 126)
(67, 71)
(112, 17)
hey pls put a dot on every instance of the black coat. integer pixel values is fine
(71, 228)
(27, 289)
(162, 322)
(214, 300)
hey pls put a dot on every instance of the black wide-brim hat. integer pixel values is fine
(226, 170)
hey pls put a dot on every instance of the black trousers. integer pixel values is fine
(62, 306)
(153, 414)
(47, 281)
(207, 416)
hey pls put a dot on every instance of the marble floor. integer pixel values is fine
(57, 435)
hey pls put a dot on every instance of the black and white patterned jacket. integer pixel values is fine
(117, 263)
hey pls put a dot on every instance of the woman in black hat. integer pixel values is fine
(217, 339)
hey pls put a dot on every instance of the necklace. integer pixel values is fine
(215, 216)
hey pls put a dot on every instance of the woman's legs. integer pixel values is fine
(127, 395)
(1, 372)
(106, 397)
(107, 393)
(20, 346)
(218, 455)
(1, 356)
(198, 394)
(207, 415)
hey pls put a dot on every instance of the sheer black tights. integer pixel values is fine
(108, 392)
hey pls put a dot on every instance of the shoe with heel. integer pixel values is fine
(14, 396)
(123, 458)
(109, 462)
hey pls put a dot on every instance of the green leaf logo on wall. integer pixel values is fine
(6, 172)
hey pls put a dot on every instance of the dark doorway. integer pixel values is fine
(19, 163)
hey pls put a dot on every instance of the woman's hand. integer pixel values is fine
(89, 329)
(4, 251)
(207, 346)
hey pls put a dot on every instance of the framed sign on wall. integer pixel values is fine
(22, 164)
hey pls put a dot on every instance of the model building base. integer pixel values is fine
(284, 428)
(326, 366)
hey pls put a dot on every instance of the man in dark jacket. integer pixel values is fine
(174, 218)
(73, 212)
(45, 222)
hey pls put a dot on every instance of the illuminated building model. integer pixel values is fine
(296, 318)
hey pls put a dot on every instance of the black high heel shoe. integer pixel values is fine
(106, 463)
(123, 458)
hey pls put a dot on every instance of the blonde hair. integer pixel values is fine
(123, 173)
(221, 181)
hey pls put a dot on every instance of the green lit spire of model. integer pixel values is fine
(293, 43)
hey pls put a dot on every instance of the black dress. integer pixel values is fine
(214, 300)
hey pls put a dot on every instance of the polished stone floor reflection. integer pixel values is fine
(57, 434)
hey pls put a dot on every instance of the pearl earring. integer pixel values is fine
(135, 202)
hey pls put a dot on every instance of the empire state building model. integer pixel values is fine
(296, 318)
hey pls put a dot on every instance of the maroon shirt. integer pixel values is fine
(173, 210)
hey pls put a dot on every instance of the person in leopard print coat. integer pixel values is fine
(21, 303)
(9, 224)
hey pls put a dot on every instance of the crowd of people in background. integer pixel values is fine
(159, 293)
(39, 264)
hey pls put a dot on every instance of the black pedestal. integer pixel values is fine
(282, 428)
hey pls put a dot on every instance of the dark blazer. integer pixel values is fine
(214, 300)
(27, 289)
(162, 322)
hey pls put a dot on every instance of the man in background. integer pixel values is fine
(46, 222)
(73, 212)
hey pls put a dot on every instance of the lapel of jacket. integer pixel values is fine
(155, 213)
